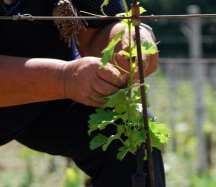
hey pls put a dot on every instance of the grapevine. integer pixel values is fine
(123, 109)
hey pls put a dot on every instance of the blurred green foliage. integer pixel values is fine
(73, 178)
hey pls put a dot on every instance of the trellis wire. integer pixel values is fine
(29, 17)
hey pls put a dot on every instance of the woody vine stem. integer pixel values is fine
(148, 146)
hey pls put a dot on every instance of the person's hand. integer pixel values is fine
(150, 62)
(88, 83)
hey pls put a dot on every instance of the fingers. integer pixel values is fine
(122, 62)
(151, 64)
(125, 64)
(99, 90)
(88, 83)
(112, 76)
(95, 101)
(108, 80)
(103, 88)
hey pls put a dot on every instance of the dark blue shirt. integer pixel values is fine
(37, 39)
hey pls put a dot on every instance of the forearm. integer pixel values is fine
(25, 80)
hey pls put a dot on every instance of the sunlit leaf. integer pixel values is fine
(159, 134)
(118, 101)
(107, 53)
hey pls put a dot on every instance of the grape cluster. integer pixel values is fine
(68, 28)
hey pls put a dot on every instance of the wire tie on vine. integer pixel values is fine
(19, 16)
(136, 15)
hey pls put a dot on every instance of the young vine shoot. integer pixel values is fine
(123, 109)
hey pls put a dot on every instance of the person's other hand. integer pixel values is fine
(150, 62)
(88, 83)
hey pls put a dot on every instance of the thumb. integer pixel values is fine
(121, 62)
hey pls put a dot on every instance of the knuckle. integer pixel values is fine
(108, 91)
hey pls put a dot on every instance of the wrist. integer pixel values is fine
(49, 73)
(63, 79)
(66, 78)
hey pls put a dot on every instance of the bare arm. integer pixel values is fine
(24, 81)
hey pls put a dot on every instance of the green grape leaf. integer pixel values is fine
(118, 101)
(108, 52)
(136, 138)
(122, 151)
(109, 141)
(98, 141)
(120, 130)
(159, 134)
(101, 115)
(134, 113)
(101, 119)
(135, 93)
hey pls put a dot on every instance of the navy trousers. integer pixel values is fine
(61, 129)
